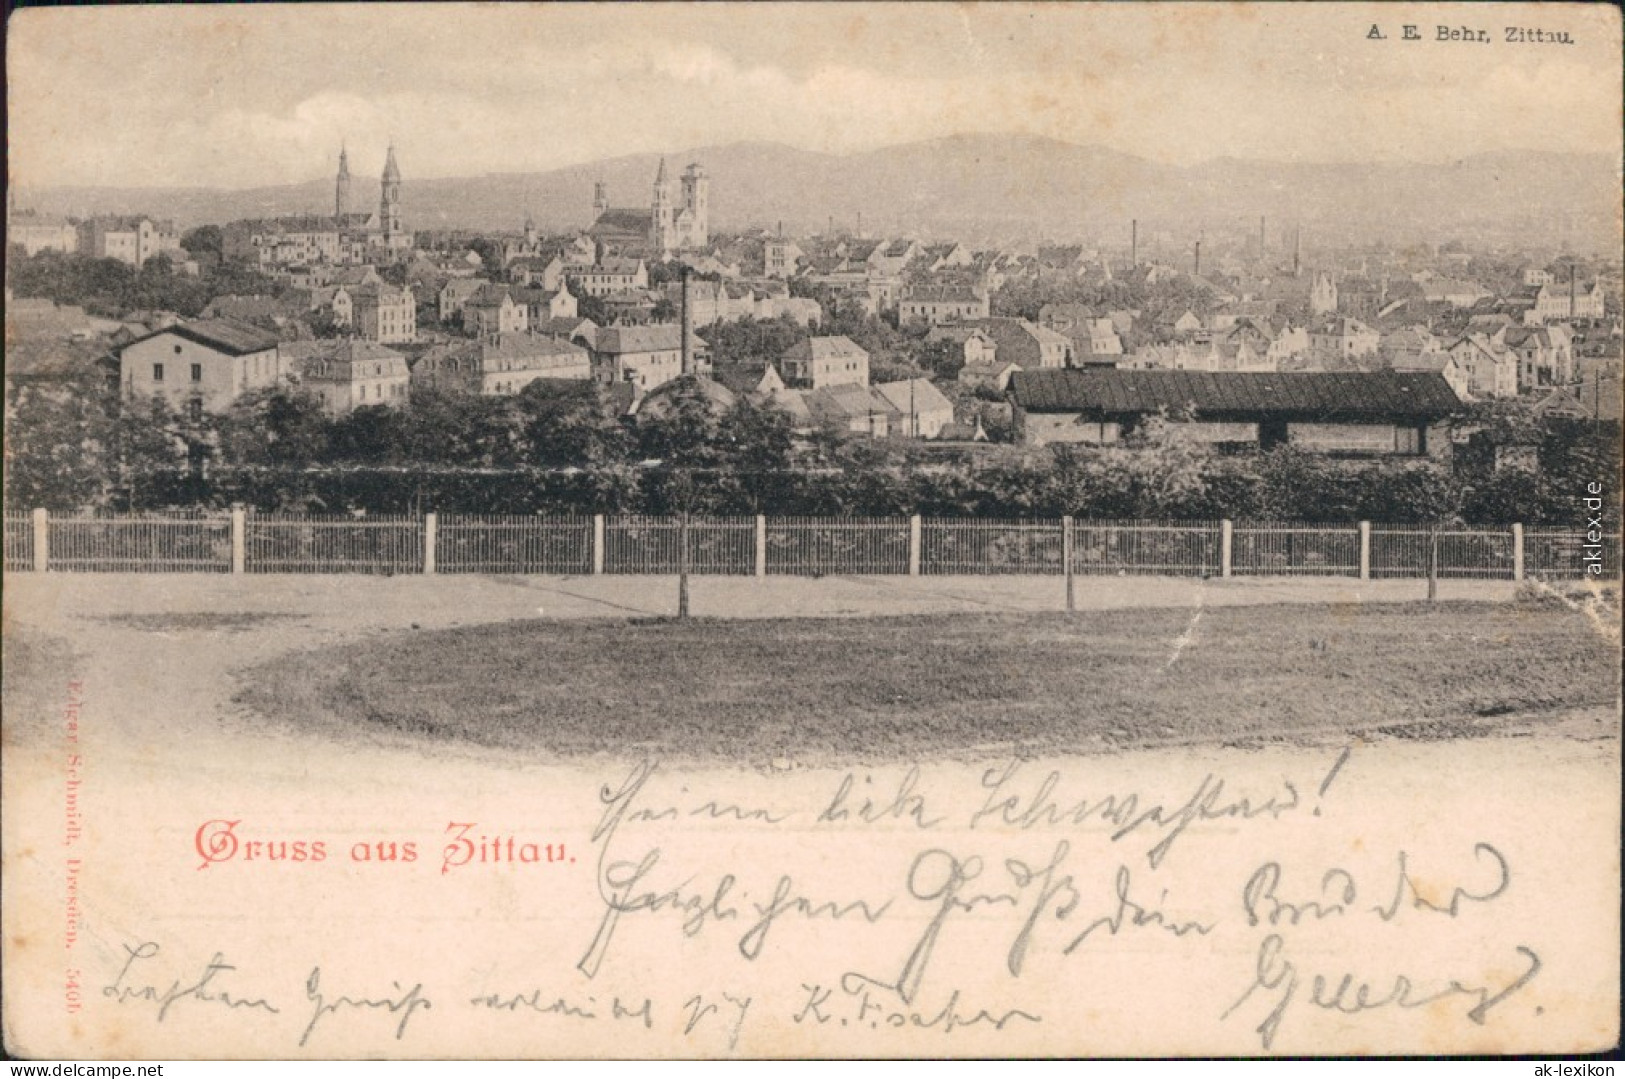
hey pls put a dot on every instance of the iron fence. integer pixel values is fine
(514, 544)
(1112, 548)
(1566, 554)
(19, 543)
(956, 546)
(824, 546)
(717, 546)
(1273, 549)
(791, 546)
(297, 544)
(1485, 554)
(145, 544)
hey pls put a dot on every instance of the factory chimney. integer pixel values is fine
(1134, 242)
(1198, 270)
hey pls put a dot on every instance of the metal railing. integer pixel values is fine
(1485, 554)
(296, 544)
(514, 544)
(145, 544)
(1272, 549)
(824, 546)
(717, 546)
(246, 542)
(1148, 548)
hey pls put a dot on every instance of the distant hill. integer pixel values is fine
(970, 186)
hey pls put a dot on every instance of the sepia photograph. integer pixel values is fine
(794, 530)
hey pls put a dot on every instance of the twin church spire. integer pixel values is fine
(389, 203)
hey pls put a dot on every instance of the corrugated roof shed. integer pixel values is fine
(1341, 393)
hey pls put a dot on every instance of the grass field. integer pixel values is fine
(951, 685)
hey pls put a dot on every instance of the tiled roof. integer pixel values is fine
(633, 221)
(222, 334)
(657, 337)
(1375, 393)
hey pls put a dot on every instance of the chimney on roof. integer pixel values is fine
(684, 328)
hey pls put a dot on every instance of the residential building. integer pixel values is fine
(501, 364)
(492, 310)
(41, 232)
(1569, 301)
(542, 304)
(922, 410)
(780, 258)
(201, 366)
(1028, 346)
(457, 292)
(934, 304)
(350, 374)
(608, 275)
(1492, 368)
(819, 362)
(385, 313)
(646, 356)
(131, 240)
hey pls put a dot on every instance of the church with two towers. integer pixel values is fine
(676, 220)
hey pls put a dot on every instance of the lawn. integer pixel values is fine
(951, 685)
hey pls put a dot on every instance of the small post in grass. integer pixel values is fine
(682, 565)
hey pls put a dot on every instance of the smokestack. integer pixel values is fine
(1134, 242)
(831, 231)
(1198, 258)
(860, 224)
(1297, 251)
(683, 327)
(1262, 234)
(1572, 268)
(781, 228)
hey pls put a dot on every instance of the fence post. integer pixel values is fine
(914, 546)
(1517, 552)
(761, 545)
(1227, 531)
(239, 539)
(1066, 560)
(1365, 550)
(597, 544)
(42, 541)
(431, 529)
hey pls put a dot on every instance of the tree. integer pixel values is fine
(275, 426)
(203, 242)
(57, 445)
(569, 424)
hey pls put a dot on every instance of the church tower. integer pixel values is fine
(389, 206)
(664, 219)
(600, 200)
(697, 201)
(341, 186)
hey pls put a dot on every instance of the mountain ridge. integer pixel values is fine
(970, 184)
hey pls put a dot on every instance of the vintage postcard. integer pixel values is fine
(812, 530)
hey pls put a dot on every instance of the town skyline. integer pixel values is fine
(521, 89)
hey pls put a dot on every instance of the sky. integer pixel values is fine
(241, 96)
